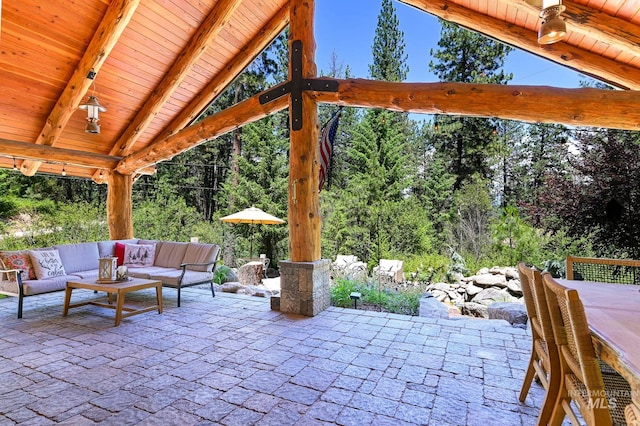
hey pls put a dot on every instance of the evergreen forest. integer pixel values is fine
(429, 191)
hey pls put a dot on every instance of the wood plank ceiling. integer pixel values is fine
(159, 63)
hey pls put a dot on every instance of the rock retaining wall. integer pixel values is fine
(473, 295)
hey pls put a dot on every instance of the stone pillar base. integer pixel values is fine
(304, 287)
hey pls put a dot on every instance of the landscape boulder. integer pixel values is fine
(231, 287)
(490, 295)
(514, 313)
(490, 280)
(430, 307)
(474, 310)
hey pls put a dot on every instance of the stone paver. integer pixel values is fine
(231, 360)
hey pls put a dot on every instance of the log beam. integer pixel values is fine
(242, 113)
(304, 211)
(119, 206)
(572, 107)
(45, 153)
(611, 71)
(534, 104)
(232, 69)
(115, 20)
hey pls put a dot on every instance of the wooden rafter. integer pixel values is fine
(231, 70)
(46, 153)
(573, 57)
(533, 104)
(115, 20)
(242, 113)
(198, 44)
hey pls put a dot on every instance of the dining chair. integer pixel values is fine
(616, 271)
(544, 361)
(585, 380)
(632, 415)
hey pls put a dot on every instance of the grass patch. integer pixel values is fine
(390, 300)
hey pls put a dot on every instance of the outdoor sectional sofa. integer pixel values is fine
(176, 264)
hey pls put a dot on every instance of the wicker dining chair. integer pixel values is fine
(544, 361)
(585, 379)
(632, 414)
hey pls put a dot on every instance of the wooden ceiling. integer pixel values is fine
(159, 63)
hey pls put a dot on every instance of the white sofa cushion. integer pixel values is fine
(78, 257)
(157, 243)
(90, 274)
(46, 285)
(46, 263)
(136, 255)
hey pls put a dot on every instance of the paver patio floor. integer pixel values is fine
(231, 360)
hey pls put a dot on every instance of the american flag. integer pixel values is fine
(326, 147)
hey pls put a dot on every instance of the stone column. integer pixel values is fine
(304, 287)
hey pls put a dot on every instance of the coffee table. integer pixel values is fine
(120, 289)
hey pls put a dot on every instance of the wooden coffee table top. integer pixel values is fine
(131, 285)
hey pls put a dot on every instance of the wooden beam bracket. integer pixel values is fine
(297, 85)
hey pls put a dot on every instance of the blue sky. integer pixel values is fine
(348, 28)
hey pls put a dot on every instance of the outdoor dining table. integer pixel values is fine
(613, 316)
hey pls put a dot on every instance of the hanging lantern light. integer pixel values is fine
(553, 28)
(93, 108)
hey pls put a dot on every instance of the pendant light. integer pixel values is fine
(553, 28)
(93, 108)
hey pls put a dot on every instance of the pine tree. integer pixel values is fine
(389, 59)
(510, 139)
(467, 143)
(364, 219)
(545, 153)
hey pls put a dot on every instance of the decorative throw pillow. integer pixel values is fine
(18, 260)
(47, 263)
(120, 253)
(139, 254)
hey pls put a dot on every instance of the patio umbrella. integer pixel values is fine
(252, 215)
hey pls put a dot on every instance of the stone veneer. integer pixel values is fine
(304, 287)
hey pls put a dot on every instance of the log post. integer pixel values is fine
(119, 206)
(304, 280)
(304, 212)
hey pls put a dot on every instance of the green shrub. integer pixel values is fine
(389, 300)
(220, 274)
(341, 290)
(8, 207)
(403, 303)
(426, 267)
